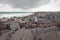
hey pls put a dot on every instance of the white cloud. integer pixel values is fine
(8, 8)
(53, 5)
(21, 5)
(26, 4)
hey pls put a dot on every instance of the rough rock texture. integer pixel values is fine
(14, 25)
(23, 34)
(4, 36)
(32, 34)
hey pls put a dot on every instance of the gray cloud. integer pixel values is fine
(25, 4)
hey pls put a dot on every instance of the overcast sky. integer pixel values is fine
(29, 5)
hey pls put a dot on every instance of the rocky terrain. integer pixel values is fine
(39, 26)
